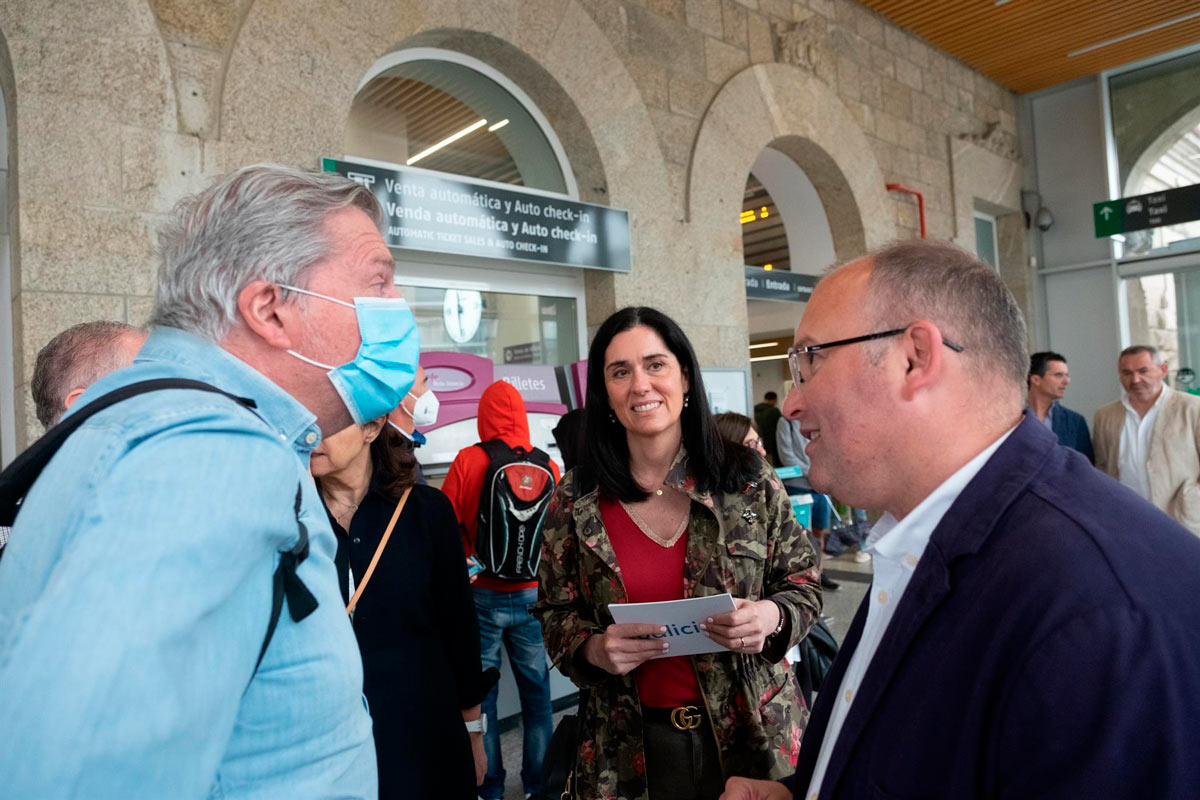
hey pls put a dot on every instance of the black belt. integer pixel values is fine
(681, 718)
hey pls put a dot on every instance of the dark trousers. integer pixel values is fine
(680, 765)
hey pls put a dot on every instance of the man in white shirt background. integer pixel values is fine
(1150, 438)
(1008, 607)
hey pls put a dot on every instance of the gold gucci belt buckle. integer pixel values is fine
(686, 718)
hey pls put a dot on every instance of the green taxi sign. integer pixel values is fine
(1145, 211)
(1109, 218)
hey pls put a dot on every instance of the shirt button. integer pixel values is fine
(882, 595)
(310, 438)
(849, 695)
(356, 540)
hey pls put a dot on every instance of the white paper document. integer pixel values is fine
(681, 618)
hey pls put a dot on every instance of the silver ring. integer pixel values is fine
(743, 638)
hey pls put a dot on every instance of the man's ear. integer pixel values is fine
(923, 353)
(72, 396)
(262, 310)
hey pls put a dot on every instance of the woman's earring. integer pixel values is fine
(685, 401)
(612, 417)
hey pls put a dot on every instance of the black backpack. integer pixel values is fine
(512, 506)
(19, 477)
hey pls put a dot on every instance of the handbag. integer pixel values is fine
(387, 534)
(558, 767)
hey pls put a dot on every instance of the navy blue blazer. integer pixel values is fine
(1048, 645)
(1071, 429)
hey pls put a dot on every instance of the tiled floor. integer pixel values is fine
(840, 605)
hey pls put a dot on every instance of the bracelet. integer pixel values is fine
(782, 619)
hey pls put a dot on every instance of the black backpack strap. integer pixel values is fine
(20, 475)
(539, 457)
(287, 584)
(495, 448)
(16, 480)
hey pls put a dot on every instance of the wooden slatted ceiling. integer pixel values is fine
(1023, 44)
(764, 241)
(429, 115)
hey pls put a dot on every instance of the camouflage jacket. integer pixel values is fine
(747, 544)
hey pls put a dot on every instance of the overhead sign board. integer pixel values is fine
(778, 284)
(430, 211)
(1145, 211)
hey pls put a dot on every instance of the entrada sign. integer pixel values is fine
(429, 211)
(1145, 211)
(777, 284)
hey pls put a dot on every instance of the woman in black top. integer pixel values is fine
(415, 620)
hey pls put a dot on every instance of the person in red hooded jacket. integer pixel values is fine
(502, 606)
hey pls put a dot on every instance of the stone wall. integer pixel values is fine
(124, 106)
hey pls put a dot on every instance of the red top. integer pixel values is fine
(652, 573)
(501, 416)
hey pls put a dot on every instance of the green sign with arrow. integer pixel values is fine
(1145, 211)
(1108, 217)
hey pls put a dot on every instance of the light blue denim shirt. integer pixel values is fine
(135, 594)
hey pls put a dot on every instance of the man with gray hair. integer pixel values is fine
(74, 359)
(1149, 440)
(1017, 640)
(143, 652)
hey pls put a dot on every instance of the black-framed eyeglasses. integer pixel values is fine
(803, 365)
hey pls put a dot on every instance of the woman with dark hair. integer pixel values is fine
(659, 509)
(414, 618)
(737, 428)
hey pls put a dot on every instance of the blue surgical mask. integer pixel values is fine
(379, 377)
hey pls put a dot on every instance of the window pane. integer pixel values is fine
(1164, 312)
(1156, 130)
(985, 240)
(504, 328)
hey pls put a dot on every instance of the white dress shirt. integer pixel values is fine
(1135, 445)
(896, 547)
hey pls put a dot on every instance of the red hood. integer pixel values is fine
(502, 416)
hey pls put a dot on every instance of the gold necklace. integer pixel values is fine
(650, 534)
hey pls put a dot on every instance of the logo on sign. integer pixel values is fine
(448, 379)
(362, 179)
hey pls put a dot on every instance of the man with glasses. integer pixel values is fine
(1013, 643)
(1149, 440)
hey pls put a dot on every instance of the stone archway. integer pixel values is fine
(315, 63)
(787, 109)
(1171, 133)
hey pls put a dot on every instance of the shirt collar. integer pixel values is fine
(203, 360)
(904, 540)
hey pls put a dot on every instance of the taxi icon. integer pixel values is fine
(1134, 207)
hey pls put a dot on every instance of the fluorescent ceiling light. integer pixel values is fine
(498, 125)
(764, 344)
(769, 358)
(1122, 38)
(454, 137)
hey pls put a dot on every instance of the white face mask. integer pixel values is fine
(425, 409)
